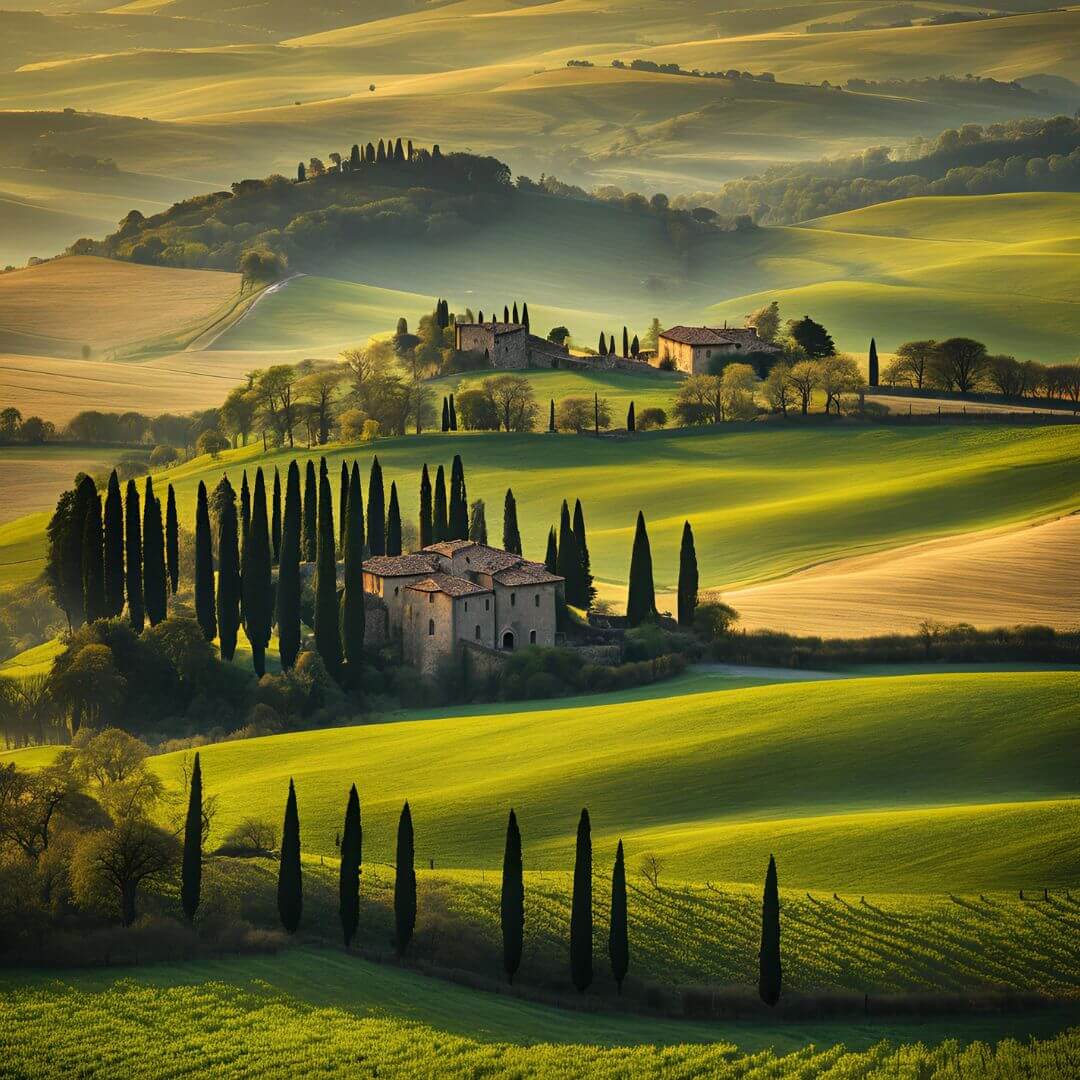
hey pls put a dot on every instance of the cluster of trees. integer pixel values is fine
(15, 428)
(357, 198)
(629, 348)
(964, 365)
(674, 69)
(1019, 155)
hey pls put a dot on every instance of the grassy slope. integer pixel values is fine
(763, 500)
(854, 784)
(32, 476)
(311, 1011)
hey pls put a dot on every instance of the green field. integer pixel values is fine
(720, 781)
(312, 1012)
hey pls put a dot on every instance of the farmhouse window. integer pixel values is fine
(513, 599)
(431, 598)
(532, 637)
(536, 600)
(431, 627)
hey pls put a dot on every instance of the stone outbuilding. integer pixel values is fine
(460, 591)
(693, 348)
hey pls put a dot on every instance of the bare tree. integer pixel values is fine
(651, 866)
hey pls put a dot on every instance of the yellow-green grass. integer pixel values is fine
(33, 476)
(35, 661)
(61, 306)
(763, 500)
(315, 1011)
(918, 783)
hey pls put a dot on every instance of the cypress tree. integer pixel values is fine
(275, 517)
(688, 577)
(770, 970)
(641, 598)
(618, 936)
(228, 586)
(113, 526)
(511, 536)
(191, 866)
(611, 345)
(354, 157)
(551, 556)
(512, 904)
(445, 413)
(569, 560)
(588, 593)
(440, 521)
(133, 551)
(172, 541)
(399, 151)
(581, 930)
(393, 523)
(631, 418)
(349, 876)
(245, 509)
(376, 511)
(602, 347)
(343, 501)
(290, 886)
(288, 589)
(153, 557)
(625, 342)
(380, 153)
(635, 346)
(551, 416)
(453, 414)
(301, 173)
(352, 597)
(311, 513)
(459, 501)
(515, 312)
(525, 315)
(204, 567)
(506, 314)
(478, 523)
(404, 883)
(427, 535)
(873, 364)
(93, 563)
(255, 579)
(327, 626)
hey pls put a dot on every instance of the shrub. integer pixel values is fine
(713, 620)
(652, 417)
(212, 443)
(667, 364)
(163, 455)
(251, 837)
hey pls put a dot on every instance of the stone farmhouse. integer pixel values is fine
(458, 594)
(693, 347)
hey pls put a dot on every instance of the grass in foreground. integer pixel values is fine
(265, 1017)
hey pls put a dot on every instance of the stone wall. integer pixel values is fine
(505, 344)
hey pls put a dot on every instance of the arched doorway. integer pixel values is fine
(508, 640)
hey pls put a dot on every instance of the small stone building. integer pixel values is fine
(694, 347)
(459, 591)
(509, 346)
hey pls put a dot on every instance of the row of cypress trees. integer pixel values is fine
(606, 345)
(104, 554)
(641, 593)
(290, 895)
(510, 315)
(567, 555)
(449, 413)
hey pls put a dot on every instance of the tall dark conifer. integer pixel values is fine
(688, 577)
(551, 416)
(204, 567)
(511, 536)
(113, 527)
(133, 560)
(512, 902)
(602, 347)
(376, 510)
(327, 624)
(427, 525)
(641, 596)
(349, 874)
(625, 342)
(551, 556)
(514, 313)
(255, 579)
(588, 592)
(343, 501)
(631, 418)
(873, 364)
(393, 523)
(310, 543)
(352, 597)
(290, 888)
(770, 969)
(288, 589)
(93, 563)
(404, 883)
(228, 585)
(525, 315)
(453, 414)
(440, 522)
(154, 591)
(445, 413)
(275, 517)
(459, 502)
(245, 509)
(581, 928)
(506, 314)
(191, 865)
(172, 541)
(618, 935)
(568, 565)
(358, 507)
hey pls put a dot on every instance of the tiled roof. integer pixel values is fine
(490, 560)
(399, 565)
(449, 547)
(499, 328)
(526, 573)
(717, 335)
(449, 584)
